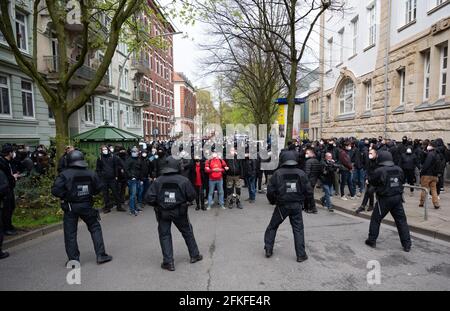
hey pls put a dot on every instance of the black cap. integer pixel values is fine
(7, 148)
(75, 158)
(385, 158)
(171, 165)
(288, 158)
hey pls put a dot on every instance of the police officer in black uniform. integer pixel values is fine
(170, 194)
(288, 189)
(76, 187)
(388, 179)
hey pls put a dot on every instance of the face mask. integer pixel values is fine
(214, 155)
(134, 154)
(111, 149)
(144, 155)
(429, 148)
(14, 155)
(105, 152)
(156, 157)
(153, 151)
(307, 156)
(371, 157)
(409, 151)
(348, 148)
(321, 142)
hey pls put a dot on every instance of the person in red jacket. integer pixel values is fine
(215, 167)
(198, 179)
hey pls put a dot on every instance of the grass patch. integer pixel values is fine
(29, 219)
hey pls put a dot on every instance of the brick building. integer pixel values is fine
(154, 78)
(185, 104)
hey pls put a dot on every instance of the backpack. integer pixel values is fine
(170, 196)
(391, 181)
(80, 189)
(439, 167)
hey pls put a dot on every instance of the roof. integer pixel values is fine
(106, 133)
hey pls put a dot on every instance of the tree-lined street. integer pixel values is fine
(232, 244)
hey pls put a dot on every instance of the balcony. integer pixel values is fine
(81, 78)
(141, 65)
(142, 97)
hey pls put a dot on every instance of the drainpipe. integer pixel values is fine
(386, 68)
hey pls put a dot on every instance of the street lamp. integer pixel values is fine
(121, 70)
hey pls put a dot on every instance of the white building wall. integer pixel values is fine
(425, 17)
(364, 60)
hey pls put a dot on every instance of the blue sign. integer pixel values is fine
(298, 101)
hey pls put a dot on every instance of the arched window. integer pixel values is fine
(347, 97)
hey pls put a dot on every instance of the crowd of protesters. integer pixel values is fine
(341, 167)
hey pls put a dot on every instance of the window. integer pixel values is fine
(368, 96)
(21, 31)
(341, 46)
(411, 11)
(111, 112)
(89, 111)
(127, 110)
(136, 116)
(426, 76)
(347, 97)
(402, 74)
(372, 24)
(443, 72)
(5, 107)
(330, 51)
(123, 48)
(102, 110)
(123, 79)
(330, 106)
(27, 99)
(355, 35)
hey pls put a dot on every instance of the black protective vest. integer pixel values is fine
(170, 196)
(391, 181)
(290, 189)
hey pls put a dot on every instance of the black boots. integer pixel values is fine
(371, 244)
(104, 258)
(302, 258)
(269, 253)
(196, 259)
(168, 266)
(360, 209)
(4, 255)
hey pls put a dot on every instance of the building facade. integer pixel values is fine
(185, 104)
(155, 67)
(136, 94)
(24, 116)
(385, 71)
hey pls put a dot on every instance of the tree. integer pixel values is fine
(124, 23)
(248, 74)
(207, 111)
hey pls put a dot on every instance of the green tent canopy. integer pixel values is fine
(91, 141)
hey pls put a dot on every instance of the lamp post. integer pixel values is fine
(121, 70)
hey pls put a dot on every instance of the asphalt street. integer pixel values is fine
(232, 244)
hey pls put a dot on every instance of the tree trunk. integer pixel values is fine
(62, 130)
(291, 101)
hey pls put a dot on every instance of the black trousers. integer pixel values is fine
(393, 205)
(9, 205)
(200, 196)
(310, 203)
(90, 218)
(121, 187)
(1, 227)
(295, 217)
(259, 179)
(440, 184)
(369, 196)
(111, 184)
(180, 218)
(410, 177)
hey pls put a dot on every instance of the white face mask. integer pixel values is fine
(134, 154)
(153, 151)
(429, 148)
(144, 155)
(214, 155)
(409, 151)
(14, 155)
(307, 156)
(156, 157)
(371, 157)
(105, 152)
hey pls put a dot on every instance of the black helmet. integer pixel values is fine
(170, 165)
(385, 158)
(288, 158)
(75, 158)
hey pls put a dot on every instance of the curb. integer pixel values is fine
(428, 232)
(32, 235)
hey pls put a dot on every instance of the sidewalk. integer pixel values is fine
(437, 225)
